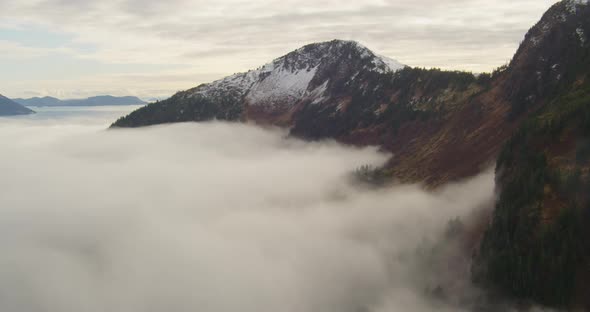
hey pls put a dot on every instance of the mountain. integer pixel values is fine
(92, 101)
(536, 246)
(39, 102)
(10, 108)
(341, 89)
(273, 92)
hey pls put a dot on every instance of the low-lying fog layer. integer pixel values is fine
(208, 217)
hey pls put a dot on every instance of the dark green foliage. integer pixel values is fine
(506, 247)
(484, 79)
(429, 81)
(522, 254)
(433, 79)
(370, 90)
(498, 71)
(583, 151)
(370, 175)
(183, 108)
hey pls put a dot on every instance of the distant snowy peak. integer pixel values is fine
(303, 73)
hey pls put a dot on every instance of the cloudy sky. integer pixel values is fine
(152, 48)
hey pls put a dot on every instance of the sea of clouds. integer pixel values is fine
(213, 217)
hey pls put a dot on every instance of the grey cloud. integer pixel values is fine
(380, 25)
(391, 21)
(233, 35)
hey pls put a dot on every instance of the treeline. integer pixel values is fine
(184, 107)
(536, 247)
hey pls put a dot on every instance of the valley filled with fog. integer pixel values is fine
(213, 217)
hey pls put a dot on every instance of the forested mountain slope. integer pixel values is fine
(537, 245)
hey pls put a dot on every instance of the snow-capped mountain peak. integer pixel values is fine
(303, 73)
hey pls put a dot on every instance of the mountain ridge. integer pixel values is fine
(272, 92)
(353, 96)
(535, 247)
(102, 100)
(11, 108)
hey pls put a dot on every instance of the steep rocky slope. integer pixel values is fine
(10, 108)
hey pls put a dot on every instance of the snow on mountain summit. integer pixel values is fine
(303, 73)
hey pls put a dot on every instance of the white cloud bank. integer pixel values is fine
(207, 217)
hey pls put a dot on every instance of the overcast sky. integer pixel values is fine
(152, 48)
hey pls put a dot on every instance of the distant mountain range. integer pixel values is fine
(105, 100)
(11, 108)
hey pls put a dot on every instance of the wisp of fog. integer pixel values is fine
(210, 217)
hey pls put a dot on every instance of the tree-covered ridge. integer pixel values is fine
(183, 107)
(536, 247)
(387, 100)
(368, 93)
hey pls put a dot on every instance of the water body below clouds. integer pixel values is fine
(103, 115)
(210, 217)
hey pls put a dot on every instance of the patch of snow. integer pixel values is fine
(365, 53)
(354, 76)
(280, 86)
(383, 64)
(379, 111)
(319, 93)
(581, 36)
(389, 64)
(572, 5)
(287, 79)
